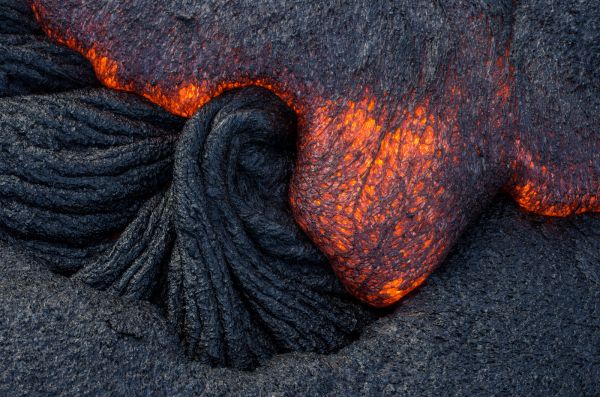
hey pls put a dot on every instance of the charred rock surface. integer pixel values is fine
(76, 167)
(118, 195)
(30, 63)
(103, 187)
(414, 113)
(514, 310)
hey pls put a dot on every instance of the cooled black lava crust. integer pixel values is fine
(193, 216)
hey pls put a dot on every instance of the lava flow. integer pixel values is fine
(411, 116)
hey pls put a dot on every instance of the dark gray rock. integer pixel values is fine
(103, 187)
(30, 62)
(515, 310)
(75, 168)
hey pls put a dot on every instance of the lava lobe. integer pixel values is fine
(413, 114)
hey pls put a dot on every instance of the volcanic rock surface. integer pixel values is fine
(30, 64)
(414, 114)
(108, 189)
(514, 310)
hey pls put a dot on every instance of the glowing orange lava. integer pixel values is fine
(384, 186)
(378, 166)
(183, 101)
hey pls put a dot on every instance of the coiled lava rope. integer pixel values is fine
(242, 280)
(242, 271)
(73, 171)
(85, 185)
(107, 189)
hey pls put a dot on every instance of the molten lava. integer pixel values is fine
(402, 141)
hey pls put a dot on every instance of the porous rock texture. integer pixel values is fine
(93, 184)
(414, 113)
(515, 309)
(107, 189)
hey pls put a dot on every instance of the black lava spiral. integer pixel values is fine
(242, 282)
(107, 189)
(101, 187)
(87, 189)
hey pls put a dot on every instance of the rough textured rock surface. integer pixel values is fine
(108, 189)
(415, 113)
(29, 62)
(514, 310)
(76, 167)
(556, 55)
(101, 186)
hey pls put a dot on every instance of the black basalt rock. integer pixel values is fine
(107, 189)
(30, 63)
(515, 310)
(139, 251)
(75, 168)
(102, 187)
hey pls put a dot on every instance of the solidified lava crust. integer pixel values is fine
(30, 64)
(412, 114)
(192, 216)
(101, 187)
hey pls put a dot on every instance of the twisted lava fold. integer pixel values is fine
(413, 114)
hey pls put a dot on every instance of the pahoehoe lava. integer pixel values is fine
(110, 190)
(401, 143)
(413, 114)
(103, 188)
(87, 185)
(242, 281)
(32, 65)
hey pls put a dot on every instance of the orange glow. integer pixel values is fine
(183, 101)
(394, 290)
(380, 181)
(534, 190)
(375, 159)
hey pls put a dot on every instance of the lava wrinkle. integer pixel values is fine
(408, 126)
